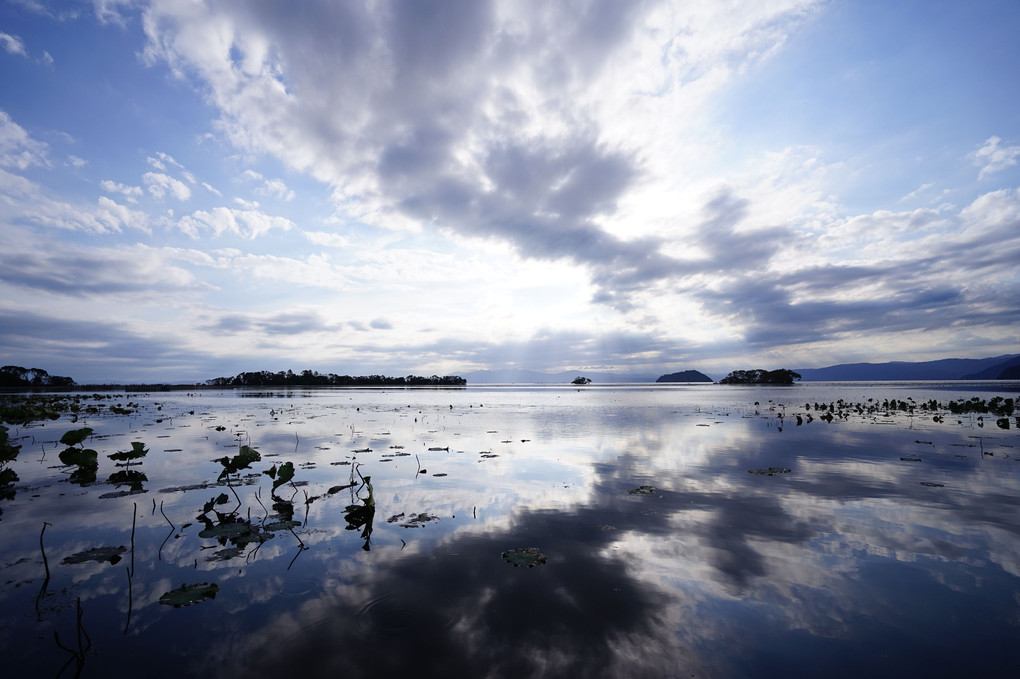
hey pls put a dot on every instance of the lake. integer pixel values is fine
(517, 531)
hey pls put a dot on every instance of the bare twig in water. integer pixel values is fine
(173, 529)
(77, 656)
(46, 565)
(164, 515)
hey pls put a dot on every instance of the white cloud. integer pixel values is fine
(211, 189)
(159, 184)
(331, 240)
(992, 157)
(77, 162)
(221, 220)
(13, 44)
(17, 149)
(109, 11)
(277, 189)
(130, 193)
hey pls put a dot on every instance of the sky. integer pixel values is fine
(191, 189)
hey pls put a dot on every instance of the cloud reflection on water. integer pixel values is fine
(845, 566)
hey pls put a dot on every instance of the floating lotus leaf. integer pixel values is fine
(225, 530)
(80, 457)
(643, 490)
(221, 499)
(75, 436)
(771, 471)
(111, 554)
(281, 525)
(280, 474)
(138, 450)
(7, 451)
(245, 456)
(524, 556)
(185, 595)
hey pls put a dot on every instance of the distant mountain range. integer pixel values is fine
(1006, 366)
(946, 369)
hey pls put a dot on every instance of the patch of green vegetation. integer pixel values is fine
(80, 457)
(527, 557)
(186, 595)
(643, 490)
(100, 554)
(280, 474)
(75, 436)
(243, 460)
(997, 405)
(138, 450)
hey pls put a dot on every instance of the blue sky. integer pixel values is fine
(192, 189)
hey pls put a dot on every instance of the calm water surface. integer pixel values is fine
(882, 544)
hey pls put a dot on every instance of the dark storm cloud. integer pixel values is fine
(57, 268)
(90, 350)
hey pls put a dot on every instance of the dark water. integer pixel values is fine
(882, 543)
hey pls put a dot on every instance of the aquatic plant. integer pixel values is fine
(8, 477)
(643, 490)
(138, 450)
(186, 595)
(280, 474)
(231, 465)
(527, 557)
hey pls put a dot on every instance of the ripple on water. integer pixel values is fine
(392, 616)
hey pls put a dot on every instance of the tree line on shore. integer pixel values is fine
(16, 376)
(307, 378)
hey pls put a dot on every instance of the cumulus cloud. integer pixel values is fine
(17, 149)
(26, 202)
(222, 220)
(159, 185)
(992, 157)
(131, 193)
(477, 118)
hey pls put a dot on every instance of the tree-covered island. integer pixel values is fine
(760, 376)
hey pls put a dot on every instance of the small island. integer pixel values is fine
(759, 376)
(581, 380)
(685, 376)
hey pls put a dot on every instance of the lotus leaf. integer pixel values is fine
(75, 436)
(642, 490)
(138, 450)
(524, 556)
(111, 554)
(7, 451)
(245, 456)
(185, 595)
(80, 457)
